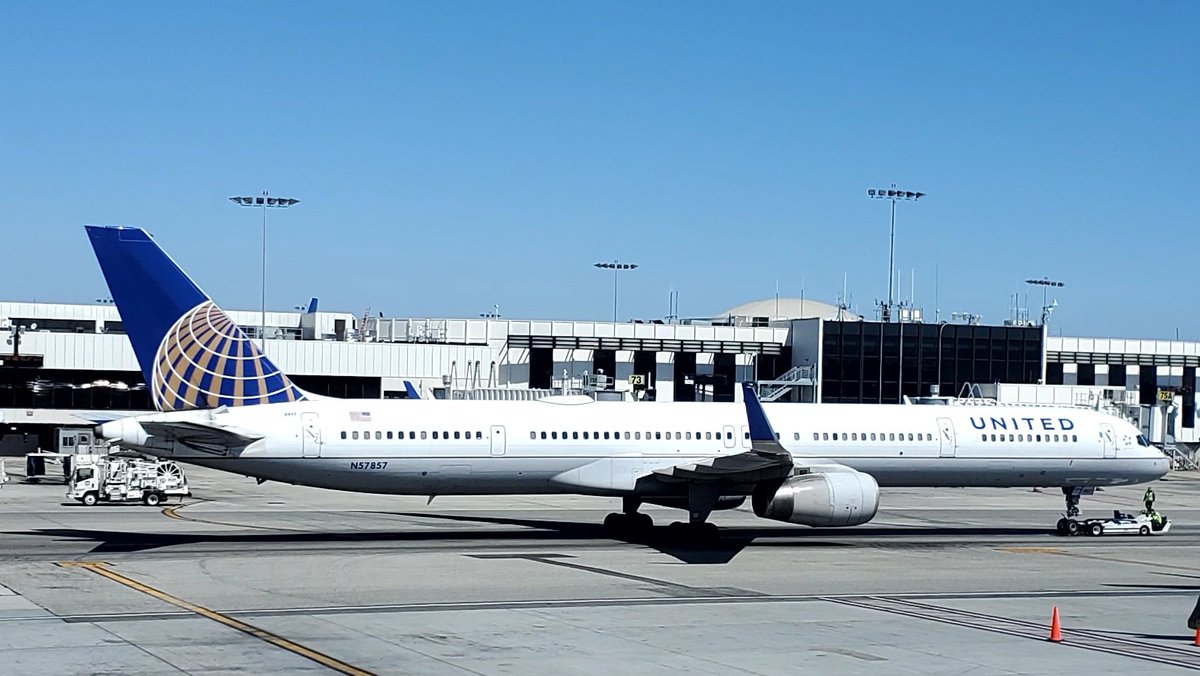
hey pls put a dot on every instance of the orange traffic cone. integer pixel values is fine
(1196, 641)
(1056, 628)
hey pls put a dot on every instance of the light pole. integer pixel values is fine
(892, 195)
(264, 202)
(1045, 283)
(941, 327)
(616, 266)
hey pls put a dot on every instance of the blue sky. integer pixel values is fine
(452, 156)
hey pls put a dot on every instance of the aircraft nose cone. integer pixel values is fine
(125, 432)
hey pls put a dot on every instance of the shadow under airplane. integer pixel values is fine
(722, 549)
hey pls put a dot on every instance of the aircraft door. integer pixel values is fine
(1108, 438)
(310, 435)
(946, 437)
(727, 434)
(498, 441)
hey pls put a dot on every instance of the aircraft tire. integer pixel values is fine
(615, 522)
(1061, 526)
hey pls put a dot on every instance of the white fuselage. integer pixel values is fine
(576, 445)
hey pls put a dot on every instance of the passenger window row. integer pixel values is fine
(872, 436)
(637, 436)
(1029, 437)
(380, 435)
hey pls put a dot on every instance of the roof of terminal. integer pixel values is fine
(789, 308)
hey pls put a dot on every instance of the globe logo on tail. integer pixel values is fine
(205, 360)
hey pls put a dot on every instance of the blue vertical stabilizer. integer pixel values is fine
(191, 353)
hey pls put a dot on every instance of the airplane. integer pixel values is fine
(223, 404)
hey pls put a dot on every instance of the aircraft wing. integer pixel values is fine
(199, 436)
(766, 460)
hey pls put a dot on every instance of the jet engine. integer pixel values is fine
(820, 499)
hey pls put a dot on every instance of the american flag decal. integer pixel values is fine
(360, 416)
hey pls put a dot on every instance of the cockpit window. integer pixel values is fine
(1142, 440)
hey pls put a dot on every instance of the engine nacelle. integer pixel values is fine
(820, 499)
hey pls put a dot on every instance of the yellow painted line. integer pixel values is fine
(335, 664)
(173, 513)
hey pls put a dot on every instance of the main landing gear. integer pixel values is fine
(701, 500)
(629, 521)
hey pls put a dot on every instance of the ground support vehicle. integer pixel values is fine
(116, 478)
(1118, 524)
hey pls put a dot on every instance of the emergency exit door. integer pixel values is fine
(498, 440)
(946, 437)
(310, 435)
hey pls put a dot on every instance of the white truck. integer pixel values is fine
(119, 478)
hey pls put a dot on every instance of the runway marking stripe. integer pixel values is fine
(1032, 550)
(262, 634)
(1084, 640)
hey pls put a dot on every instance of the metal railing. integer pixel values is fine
(1179, 459)
(775, 388)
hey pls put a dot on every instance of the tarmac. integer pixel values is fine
(274, 579)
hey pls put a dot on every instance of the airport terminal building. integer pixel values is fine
(66, 363)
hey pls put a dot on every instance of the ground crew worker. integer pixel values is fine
(1148, 498)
